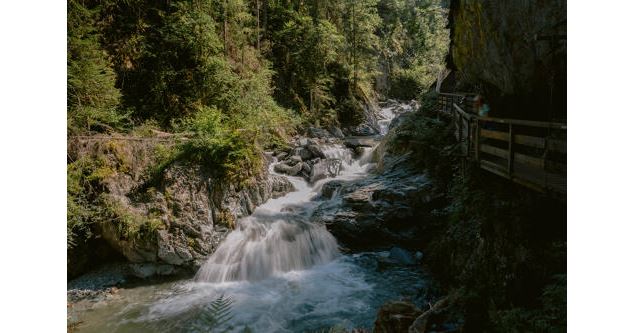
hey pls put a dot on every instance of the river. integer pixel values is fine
(282, 273)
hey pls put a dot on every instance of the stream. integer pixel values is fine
(282, 273)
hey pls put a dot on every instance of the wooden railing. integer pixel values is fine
(531, 153)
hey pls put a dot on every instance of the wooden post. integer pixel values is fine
(510, 151)
(477, 140)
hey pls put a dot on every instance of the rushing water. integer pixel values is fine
(282, 272)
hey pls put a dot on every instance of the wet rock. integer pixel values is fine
(289, 170)
(280, 186)
(363, 130)
(316, 151)
(359, 142)
(383, 209)
(294, 160)
(330, 188)
(303, 153)
(281, 156)
(396, 317)
(306, 168)
(336, 131)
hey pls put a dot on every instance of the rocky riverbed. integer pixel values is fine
(369, 199)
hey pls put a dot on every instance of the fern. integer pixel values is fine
(215, 316)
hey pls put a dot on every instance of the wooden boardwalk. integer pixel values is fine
(530, 153)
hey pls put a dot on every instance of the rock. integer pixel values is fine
(194, 208)
(354, 142)
(166, 251)
(293, 160)
(289, 170)
(303, 153)
(316, 151)
(336, 132)
(318, 132)
(280, 186)
(383, 209)
(303, 142)
(330, 188)
(402, 256)
(306, 168)
(396, 317)
(319, 171)
(281, 156)
(363, 130)
(147, 270)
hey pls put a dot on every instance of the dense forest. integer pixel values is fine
(237, 74)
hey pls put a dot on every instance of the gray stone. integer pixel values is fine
(337, 132)
(294, 160)
(318, 133)
(289, 170)
(316, 151)
(303, 153)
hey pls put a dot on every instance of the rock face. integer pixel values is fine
(514, 55)
(383, 209)
(182, 218)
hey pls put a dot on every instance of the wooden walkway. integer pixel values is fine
(530, 153)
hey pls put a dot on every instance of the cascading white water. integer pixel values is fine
(277, 238)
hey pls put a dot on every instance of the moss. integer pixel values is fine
(226, 218)
(130, 225)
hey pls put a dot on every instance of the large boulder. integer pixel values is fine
(380, 210)
(303, 153)
(175, 222)
(280, 186)
(315, 132)
(337, 132)
(287, 169)
(316, 151)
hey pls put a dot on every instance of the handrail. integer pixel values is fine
(516, 153)
(532, 123)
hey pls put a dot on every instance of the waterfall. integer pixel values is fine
(278, 237)
(267, 244)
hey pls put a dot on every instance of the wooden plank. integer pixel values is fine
(531, 141)
(531, 123)
(463, 113)
(530, 160)
(494, 151)
(494, 168)
(497, 135)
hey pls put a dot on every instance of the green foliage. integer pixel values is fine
(92, 98)
(217, 146)
(130, 225)
(216, 316)
(82, 181)
(414, 43)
